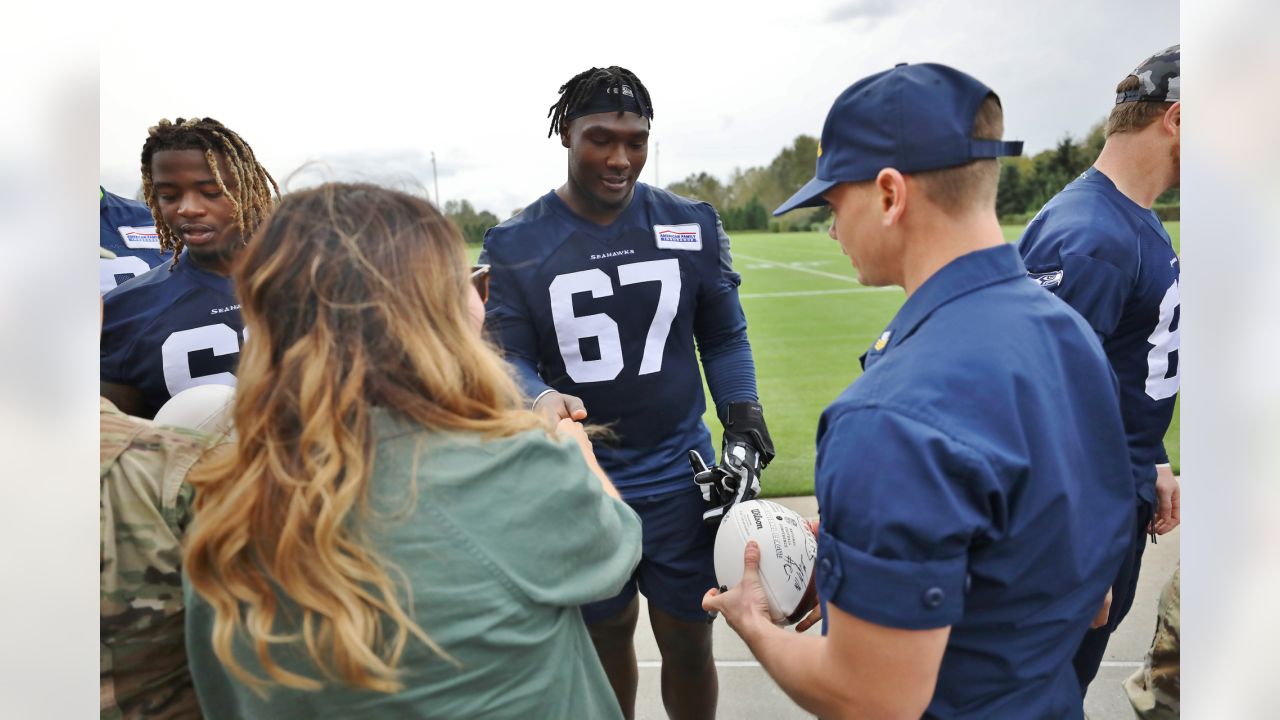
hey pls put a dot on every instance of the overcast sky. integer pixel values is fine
(370, 89)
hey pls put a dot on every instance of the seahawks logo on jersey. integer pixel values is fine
(1050, 279)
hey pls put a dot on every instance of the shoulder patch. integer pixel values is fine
(140, 238)
(1053, 278)
(678, 237)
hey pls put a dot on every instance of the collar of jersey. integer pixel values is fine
(1094, 175)
(199, 275)
(560, 207)
(957, 278)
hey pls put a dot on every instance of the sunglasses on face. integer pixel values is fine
(480, 281)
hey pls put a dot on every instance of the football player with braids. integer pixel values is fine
(598, 292)
(179, 325)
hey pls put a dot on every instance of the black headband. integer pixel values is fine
(605, 99)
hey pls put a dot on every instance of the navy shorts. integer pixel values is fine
(677, 565)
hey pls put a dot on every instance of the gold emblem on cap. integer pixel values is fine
(819, 148)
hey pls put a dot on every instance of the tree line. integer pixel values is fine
(747, 197)
(1026, 184)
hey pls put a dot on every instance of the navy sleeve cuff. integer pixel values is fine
(903, 594)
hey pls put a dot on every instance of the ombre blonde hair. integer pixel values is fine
(353, 296)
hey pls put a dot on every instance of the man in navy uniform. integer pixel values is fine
(973, 511)
(178, 325)
(128, 232)
(1098, 246)
(598, 292)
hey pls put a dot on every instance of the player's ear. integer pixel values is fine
(564, 134)
(891, 196)
(1173, 119)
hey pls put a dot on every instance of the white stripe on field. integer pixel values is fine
(803, 293)
(719, 664)
(785, 266)
(754, 664)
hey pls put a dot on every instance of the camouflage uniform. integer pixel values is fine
(145, 509)
(1155, 688)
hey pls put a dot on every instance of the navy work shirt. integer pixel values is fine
(976, 477)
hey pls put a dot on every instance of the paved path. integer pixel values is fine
(747, 692)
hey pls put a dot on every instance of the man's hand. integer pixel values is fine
(556, 406)
(1104, 612)
(1168, 514)
(815, 614)
(745, 606)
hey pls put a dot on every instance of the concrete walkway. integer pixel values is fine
(747, 692)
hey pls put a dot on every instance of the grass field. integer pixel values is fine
(809, 320)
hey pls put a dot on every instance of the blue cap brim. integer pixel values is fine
(808, 196)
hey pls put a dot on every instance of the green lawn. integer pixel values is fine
(809, 320)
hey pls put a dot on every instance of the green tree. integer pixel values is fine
(473, 225)
(701, 186)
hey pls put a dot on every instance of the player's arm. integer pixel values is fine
(507, 320)
(720, 328)
(125, 397)
(859, 669)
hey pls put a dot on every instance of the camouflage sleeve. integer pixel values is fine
(145, 509)
(1154, 690)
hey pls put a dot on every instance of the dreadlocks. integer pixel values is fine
(581, 87)
(252, 200)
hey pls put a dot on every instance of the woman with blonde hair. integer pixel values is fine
(392, 534)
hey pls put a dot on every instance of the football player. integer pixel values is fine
(178, 325)
(1098, 246)
(127, 230)
(598, 292)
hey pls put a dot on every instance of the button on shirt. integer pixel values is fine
(967, 480)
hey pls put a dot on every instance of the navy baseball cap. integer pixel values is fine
(913, 118)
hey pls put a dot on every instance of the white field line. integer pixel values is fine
(784, 266)
(754, 664)
(803, 293)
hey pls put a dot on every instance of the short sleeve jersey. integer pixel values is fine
(1111, 260)
(171, 329)
(610, 314)
(496, 574)
(127, 229)
(962, 483)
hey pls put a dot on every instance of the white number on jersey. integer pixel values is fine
(109, 268)
(570, 328)
(1166, 343)
(220, 338)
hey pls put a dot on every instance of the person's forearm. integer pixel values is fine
(803, 667)
(795, 662)
(605, 482)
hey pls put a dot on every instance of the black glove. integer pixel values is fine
(747, 449)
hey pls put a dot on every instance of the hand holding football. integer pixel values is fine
(788, 551)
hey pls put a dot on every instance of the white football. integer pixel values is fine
(206, 408)
(788, 552)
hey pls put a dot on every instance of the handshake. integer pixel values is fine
(747, 449)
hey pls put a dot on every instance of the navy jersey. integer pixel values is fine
(127, 229)
(610, 314)
(1112, 261)
(169, 330)
(963, 483)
